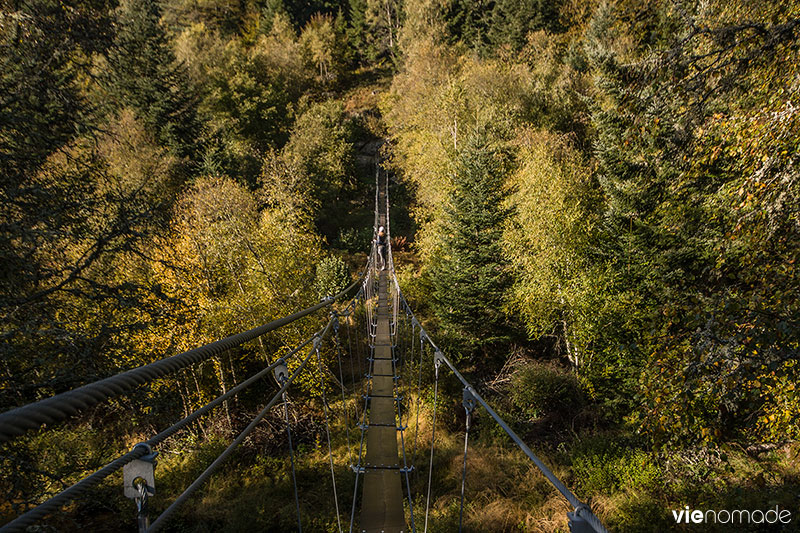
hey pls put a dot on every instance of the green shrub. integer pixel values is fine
(540, 389)
(332, 276)
(614, 467)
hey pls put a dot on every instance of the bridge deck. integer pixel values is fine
(382, 503)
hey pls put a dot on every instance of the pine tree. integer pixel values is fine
(144, 75)
(512, 20)
(470, 277)
(357, 32)
(269, 12)
(42, 112)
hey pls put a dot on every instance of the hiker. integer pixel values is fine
(380, 241)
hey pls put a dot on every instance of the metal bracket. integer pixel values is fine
(438, 358)
(140, 471)
(469, 401)
(577, 524)
(280, 371)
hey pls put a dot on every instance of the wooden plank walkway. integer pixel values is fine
(382, 500)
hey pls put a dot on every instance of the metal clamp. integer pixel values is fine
(139, 483)
(281, 371)
(577, 524)
(469, 401)
(438, 358)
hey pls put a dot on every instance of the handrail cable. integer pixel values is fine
(221, 458)
(582, 510)
(139, 451)
(15, 422)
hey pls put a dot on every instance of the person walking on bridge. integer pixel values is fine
(380, 242)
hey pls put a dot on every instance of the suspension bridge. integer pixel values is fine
(377, 317)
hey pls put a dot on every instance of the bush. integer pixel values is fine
(614, 468)
(331, 278)
(540, 389)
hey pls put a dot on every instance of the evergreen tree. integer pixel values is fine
(43, 111)
(470, 278)
(467, 21)
(269, 12)
(512, 20)
(357, 32)
(144, 75)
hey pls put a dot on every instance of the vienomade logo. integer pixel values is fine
(737, 516)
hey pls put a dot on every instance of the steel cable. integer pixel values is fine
(328, 433)
(79, 488)
(464, 470)
(433, 439)
(229, 450)
(345, 408)
(291, 460)
(17, 421)
(402, 429)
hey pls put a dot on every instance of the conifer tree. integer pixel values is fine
(470, 277)
(273, 9)
(144, 75)
(357, 32)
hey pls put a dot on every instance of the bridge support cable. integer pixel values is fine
(437, 364)
(352, 356)
(17, 421)
(345, 407)
(291, 459)
(469, 403)
(140, 450)
(328, 426)
(197, 483)
(406, 468)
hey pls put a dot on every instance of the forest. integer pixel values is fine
(595, 210)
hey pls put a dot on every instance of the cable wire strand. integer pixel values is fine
(291, 460)
(15, 422)
(229, 450)
(464, 470)
(433, 440)
(328, 433)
